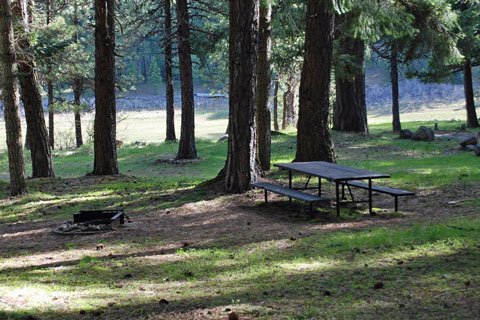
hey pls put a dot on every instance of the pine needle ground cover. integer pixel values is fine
(194, 252)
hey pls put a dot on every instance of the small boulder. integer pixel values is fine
(406, 134)
(223, 138)
(476, 149)
(470, 140)
(424, 134)
(470, 147)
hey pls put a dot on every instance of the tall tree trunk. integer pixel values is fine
(395, 95)
(186, 147)
(13, 129)
(350, 110)
(77, 89)
(51, 111)
(27, 139)
(169, 74)
(313, 139)
(285, 110)
(105, 150)
(472, 121)
(241, 168)
(263, 86)
(289, 102)
(77, 92)
(42, 166)
(275, 104)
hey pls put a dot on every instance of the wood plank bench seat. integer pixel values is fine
(287, 192)
(380, 189)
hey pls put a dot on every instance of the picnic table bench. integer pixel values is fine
(291, 193)
(380, 189)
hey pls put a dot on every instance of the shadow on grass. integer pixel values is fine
(431, 286)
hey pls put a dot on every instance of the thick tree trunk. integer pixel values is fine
(350, 110)
(77, 92)
(275, 104)
(42, 166)
(263, 86)
(16, 163)
(186, 147)
(472, 121)
(395, 95)
(51, 111)
(105, 150)
(241, 168)
(169, 74)
(313, 139)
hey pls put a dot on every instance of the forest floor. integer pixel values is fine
(192, 252)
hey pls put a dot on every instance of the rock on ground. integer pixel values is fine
(470, 140)
(476, 149)
(424, 134)
(406, 134)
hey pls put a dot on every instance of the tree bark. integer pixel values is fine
(105, 150)
(51, 111)
(350, 110)
(285, 109)
(275, 104)
(169, 74)
(241, 168)
(42, 166)
(186, 147)
(395, 95)
(77, 86)
(77, 92)
(27, 139)
(16, 163)
(313, 139)
(263, 86)
(472, 121)
(289, 102)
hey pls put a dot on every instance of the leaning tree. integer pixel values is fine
(105, 150)
(30, 93)
(10, 102)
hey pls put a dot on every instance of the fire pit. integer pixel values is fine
(91, 222)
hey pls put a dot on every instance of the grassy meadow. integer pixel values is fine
(194, 252)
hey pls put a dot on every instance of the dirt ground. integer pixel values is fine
(234, 220)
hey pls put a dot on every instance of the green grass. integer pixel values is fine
(320, 270)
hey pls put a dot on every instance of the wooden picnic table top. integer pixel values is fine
(331, 171)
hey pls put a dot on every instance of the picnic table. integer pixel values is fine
(333, 172)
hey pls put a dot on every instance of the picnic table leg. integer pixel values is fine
(338, 198)
(370, 196)
(290, 183)
(266, 196)
(319, 187)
